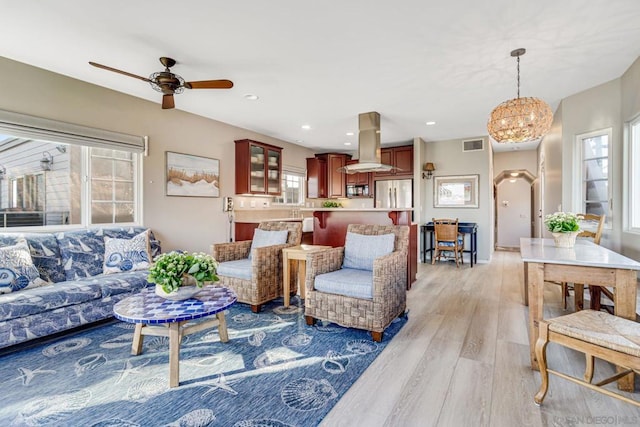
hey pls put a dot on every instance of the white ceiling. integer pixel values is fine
(321, 63)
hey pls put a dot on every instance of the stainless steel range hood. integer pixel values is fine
(368, 146)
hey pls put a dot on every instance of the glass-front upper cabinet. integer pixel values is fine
(258, 168)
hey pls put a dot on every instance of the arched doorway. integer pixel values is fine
(513, 208)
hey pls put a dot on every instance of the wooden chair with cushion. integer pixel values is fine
(253, 268)
(448, 239)
(362, 285)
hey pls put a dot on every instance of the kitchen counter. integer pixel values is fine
(258, 221)
(356, 209)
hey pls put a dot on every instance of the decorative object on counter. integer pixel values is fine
(192, 176)
(565, 228)
(428, 169)
(520, 119)
(174, 270)
(329, 204)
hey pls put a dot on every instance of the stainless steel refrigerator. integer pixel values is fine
(394, 193)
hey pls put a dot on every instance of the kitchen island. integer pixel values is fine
(330, 227)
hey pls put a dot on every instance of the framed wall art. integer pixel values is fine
(456, 191)
(191, 176)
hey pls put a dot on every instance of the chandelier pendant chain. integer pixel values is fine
(518, 67)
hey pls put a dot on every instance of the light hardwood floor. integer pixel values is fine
(462, 359)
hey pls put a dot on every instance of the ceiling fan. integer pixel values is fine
(169, 83)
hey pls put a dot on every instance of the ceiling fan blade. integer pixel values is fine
(167, 101)
(115, 70)
(209, 84)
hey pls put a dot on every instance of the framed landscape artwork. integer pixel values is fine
(456, 191)
(192, 176)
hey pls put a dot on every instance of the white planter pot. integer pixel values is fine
(565, 240)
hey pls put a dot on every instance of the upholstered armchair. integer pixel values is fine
(363, 284)
(253, 268)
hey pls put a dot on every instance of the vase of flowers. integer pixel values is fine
(181, 275)
(565, 227)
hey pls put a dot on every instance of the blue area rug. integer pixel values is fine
(274, 371)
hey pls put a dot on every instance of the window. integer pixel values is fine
(54, 173)
(112, 186)
(594, 173)
(634, 175)
(292, 188)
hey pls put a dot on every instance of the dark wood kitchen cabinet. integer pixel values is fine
(324, 181)
(258, 168)
(400, 157)
(360, 178)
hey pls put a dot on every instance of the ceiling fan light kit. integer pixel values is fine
(520, 119)
(169, 83)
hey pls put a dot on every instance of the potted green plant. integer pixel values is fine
(180, 275)
(565, 227)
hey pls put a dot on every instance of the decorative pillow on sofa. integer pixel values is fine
(126, 254)
(45, 253)
(82, 250)
(17, 271)
(262, 238)
(361, 250)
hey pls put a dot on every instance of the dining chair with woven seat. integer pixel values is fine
(448, 239)
(597, 221)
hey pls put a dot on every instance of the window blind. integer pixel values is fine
(25, 126)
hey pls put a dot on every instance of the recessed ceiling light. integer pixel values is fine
(514, 173)
(306, 127)
(512, 180)
(350, 133)
(299, 141)
(430, 123)
(347, 143)
(251, 97)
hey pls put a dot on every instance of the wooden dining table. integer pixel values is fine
(585, 263)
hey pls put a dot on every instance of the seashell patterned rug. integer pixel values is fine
(274, 371)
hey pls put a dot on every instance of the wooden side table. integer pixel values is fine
(296, 253)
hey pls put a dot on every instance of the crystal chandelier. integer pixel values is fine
(520, 119)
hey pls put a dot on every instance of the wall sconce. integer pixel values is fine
(428, 169)
(46, 161)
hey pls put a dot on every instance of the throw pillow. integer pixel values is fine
(361, 250)
(262, 238)
(126, 254)
(17, 271)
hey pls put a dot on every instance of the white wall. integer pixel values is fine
(594, 109)
(449, 159)
(550, 155)
(189, 223)
(630, 109)
(514, 216)
(609, 105)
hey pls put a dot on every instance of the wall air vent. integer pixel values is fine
(473, 145)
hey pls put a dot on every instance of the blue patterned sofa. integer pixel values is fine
(78, 293)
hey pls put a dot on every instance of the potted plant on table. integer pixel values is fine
(180, 275)
(565, 228)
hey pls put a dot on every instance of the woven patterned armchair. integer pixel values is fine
(388, 282)
(263, 279)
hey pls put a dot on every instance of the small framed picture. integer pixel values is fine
(187, 175)
(456, 191)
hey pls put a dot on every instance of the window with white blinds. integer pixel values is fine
(54, 174)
